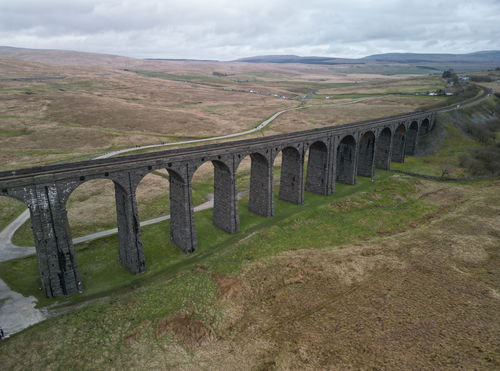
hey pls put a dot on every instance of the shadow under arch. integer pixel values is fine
(425, 126)
(383, 151)
(346, 160)
(399, 144)
(88, 205)
(411, 138)
(123, 216)
(317, 169)
(94, 207)
(151, 193)
(153, 207)
(423, 134)
(366, 155)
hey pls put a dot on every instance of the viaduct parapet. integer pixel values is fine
(335, 154)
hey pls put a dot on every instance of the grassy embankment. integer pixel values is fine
(9, 210)
(384, 206)
(176, 306)
(446, 159)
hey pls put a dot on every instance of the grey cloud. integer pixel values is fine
(224, 29)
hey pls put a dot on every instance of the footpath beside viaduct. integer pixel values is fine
(335, 154)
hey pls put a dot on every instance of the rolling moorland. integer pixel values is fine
(395, 272)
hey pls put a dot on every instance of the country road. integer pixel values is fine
(8, 250)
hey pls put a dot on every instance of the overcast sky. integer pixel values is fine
(230, 29)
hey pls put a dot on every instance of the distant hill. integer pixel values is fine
(66, 57)
(181, 60)
(298, 59)
(389, 63)
(477, 57)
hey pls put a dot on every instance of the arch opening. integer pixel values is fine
(153, 209)
(92, 213)
(425, 127)
(317, 168)
(423, 140)
(91, 208)
(243, 185)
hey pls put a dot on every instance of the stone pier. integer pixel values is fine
(292, 175)
(129, 233)
(226, 215)
(182, 229)
(56, 259)
(261, 185)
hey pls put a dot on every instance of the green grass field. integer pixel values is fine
(446, 157)
(176, 282)
(352, 213)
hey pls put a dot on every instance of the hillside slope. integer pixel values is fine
(477, 57)
(67, 57)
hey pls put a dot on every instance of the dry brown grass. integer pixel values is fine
(423, 299)
(99, 107)
(383, 85)
(91, 206)
(189, 331)
(492, 85)
(327, 115)
(66, 57)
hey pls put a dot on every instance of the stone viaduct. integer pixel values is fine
(335, 154)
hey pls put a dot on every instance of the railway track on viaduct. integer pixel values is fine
(336, 154)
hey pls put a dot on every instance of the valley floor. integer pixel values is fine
(408, 294)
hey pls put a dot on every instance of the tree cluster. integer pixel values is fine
(450, 76)
(483, 161)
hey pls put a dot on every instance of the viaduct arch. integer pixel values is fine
(336, 154)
